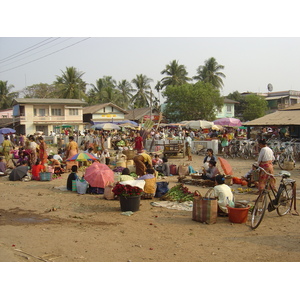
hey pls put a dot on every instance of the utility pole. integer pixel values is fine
(150, 104)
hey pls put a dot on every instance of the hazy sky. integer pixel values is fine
(250, 63)
(257, 43)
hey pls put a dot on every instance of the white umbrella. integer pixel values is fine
(199, 124)
(106, 126)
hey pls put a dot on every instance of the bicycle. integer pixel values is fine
(286, 156)
(281, 200)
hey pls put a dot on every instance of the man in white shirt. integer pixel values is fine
(265, 161)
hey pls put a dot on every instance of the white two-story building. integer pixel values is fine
(31, 115)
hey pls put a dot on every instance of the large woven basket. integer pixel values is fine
(130, 154)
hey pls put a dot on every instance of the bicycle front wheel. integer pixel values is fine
(258, 210)
(285, 197)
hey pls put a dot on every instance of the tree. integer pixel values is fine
(177, 74)
(198, 101)
(210, 72)
(142, 97)
(70, 85)
(256, 107)
(40, 90)
(125, 90)
(6, 96)
(241, 106)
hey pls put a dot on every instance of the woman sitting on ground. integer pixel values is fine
(55, 164)
(72, 176)
(37, 169)
(150, 184)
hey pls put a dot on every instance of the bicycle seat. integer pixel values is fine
(285, 174)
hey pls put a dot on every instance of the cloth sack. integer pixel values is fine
(162, 188)
(183, 170)
(173, 169)
(74, 186)
(205, 210)
(81, 186)
(108, 193)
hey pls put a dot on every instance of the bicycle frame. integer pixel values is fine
(282, 201)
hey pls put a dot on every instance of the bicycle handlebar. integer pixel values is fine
(273, 175)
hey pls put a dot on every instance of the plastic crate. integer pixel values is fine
(45, 176)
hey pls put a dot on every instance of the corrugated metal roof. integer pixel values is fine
(280, 117)
(48, 101)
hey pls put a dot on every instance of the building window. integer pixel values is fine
(56, 112)
(34, 112)
(228, 108)
(42, 112)
(73, 111)
(4, 116)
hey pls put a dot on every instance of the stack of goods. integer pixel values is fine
(178, 193)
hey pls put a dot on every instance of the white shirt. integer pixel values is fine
(224, 194)
(265, 154)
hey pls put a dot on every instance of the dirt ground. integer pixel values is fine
(39, 222)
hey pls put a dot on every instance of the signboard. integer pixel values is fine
(108, 116)
(153, 118)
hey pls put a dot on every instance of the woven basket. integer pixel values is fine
(130, 154)
(45, 176)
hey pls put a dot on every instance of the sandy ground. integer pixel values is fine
(42, 223)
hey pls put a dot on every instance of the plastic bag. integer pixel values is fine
(162, 188)
(81, 186)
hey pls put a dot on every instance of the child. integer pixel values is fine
(224, 195)
(126, 175)
(72, 176)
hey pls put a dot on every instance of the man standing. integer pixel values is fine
(265, 161)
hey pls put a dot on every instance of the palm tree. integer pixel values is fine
(125, 89)
(210, 72)
(142, 96)
(70, 84)
(6, 97)
(177, 74)
(158, 88)
(102, 90)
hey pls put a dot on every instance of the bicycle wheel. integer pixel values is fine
(258, 210)
(281, 159)
(285, 197)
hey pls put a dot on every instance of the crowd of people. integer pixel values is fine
(32, 153)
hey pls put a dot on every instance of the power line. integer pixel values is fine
(20, 52)
(45, 55)
(36, 52)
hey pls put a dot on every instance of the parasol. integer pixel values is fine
(106, 126)
(199, 124)
(99, 175)
(7, 131)
(225, 166)
(230, 122)
(217, 127)
(83, 156)
(18, 173)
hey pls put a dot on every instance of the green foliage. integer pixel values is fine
(41, 90)
(177, 74)
(210, 72)
(70, 85)
(6, 96)
(143, 94)
(240, 107)
(197, 101)
(256, 107)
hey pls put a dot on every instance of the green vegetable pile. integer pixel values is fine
(178, 193)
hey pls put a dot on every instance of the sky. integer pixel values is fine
(254, 48)
(250, 64)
